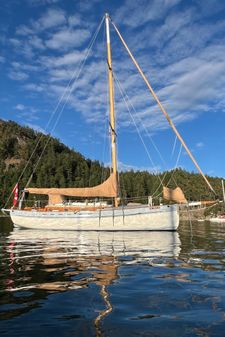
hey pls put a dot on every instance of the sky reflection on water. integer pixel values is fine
(113, 284)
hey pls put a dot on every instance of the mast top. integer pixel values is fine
(107, 29)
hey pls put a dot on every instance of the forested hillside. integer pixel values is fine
(58, 167)
(63, 167)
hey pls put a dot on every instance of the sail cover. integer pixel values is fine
(106, 189)
(176, 195)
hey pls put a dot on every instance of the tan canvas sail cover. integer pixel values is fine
(106, 189)
(176, 195)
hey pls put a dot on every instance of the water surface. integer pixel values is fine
(112, 284)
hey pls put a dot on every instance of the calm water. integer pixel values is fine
(113, 284)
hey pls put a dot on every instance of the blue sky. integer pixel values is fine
(180, 46)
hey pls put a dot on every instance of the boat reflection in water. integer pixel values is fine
(68, 244)
(55, 261)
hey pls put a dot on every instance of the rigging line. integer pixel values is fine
(77, 73)
(128, 108)
(67, 87)
(158, 195)
(174, 146)
(145, 129)
(178, 157)
(147, 133)
(163, 109)
(81, 64)
(95, 125)
(157, 150)
(175, 167)
(153, 143)
(164, 177)
(124, 94)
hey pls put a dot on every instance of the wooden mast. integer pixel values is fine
(111, 103)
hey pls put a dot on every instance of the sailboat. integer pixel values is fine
(58, 215)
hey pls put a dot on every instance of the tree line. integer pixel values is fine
(61, 166)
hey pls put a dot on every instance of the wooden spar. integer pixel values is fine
(111, 102)
(163, 109)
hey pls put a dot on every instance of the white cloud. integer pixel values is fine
(174, 25)
(36, 88)
(195, 81)
(36, 42)
(188, 41)
(137, 13)
(200, 145)
(2, 59)
(41, 2)
(74, 20)
(15, 42)
(52, 18)
(59, 75)
(27, 114)
(20, 107)
(87, 5)
(67, 60)
(185, 62)
(24, 30)
(22, 47)
(18, 75)
(67, 38)
(25, 66)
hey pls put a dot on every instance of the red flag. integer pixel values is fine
(16, 194)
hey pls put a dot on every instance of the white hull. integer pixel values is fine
(217, 220)
(120, 219)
